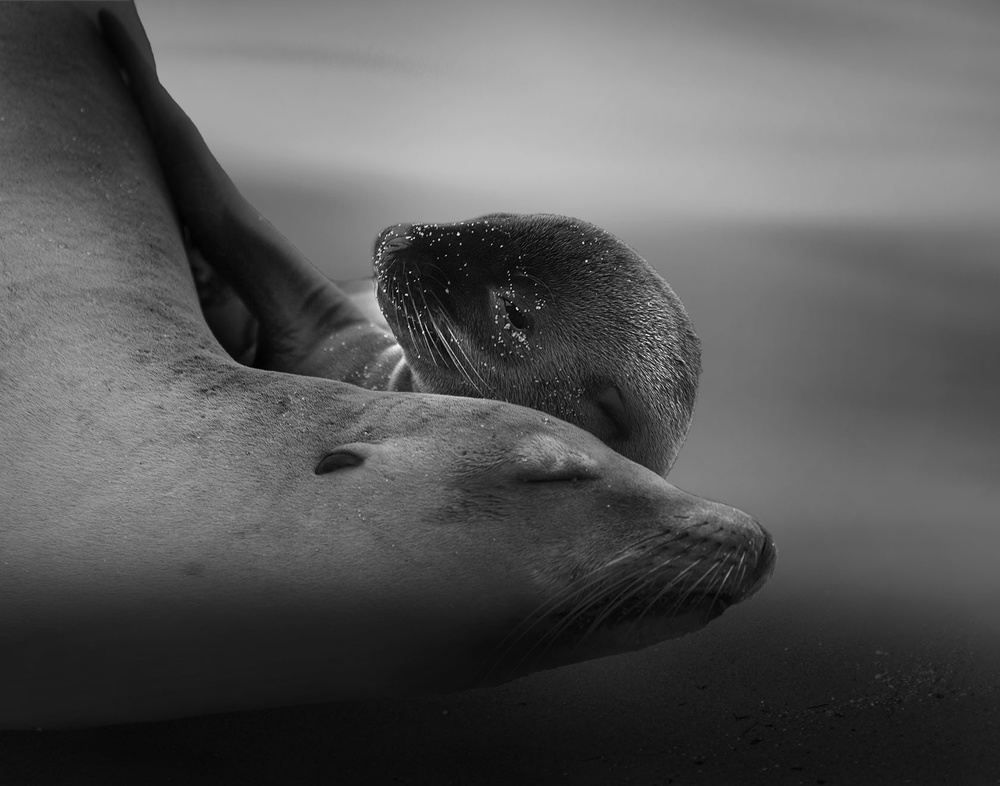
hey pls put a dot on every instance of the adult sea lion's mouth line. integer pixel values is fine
(184, 535)
(659, 587)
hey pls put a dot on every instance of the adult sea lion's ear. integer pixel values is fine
(609, 402)
(338, 459)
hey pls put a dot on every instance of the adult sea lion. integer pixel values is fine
(182, 534)
(545, 311)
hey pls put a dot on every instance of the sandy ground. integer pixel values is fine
(849, 402)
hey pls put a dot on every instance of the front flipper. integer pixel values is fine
(297, 306)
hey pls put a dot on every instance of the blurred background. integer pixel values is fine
(819, 181)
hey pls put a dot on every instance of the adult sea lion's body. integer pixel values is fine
(546, 311)
(180, 534)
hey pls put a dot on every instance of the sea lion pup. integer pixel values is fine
(545, 311)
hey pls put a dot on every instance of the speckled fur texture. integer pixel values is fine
(550, 312)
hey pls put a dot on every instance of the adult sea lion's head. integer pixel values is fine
(563, 549)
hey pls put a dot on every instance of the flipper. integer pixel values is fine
(297, 306)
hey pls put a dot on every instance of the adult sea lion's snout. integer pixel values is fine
(651, 562)
(732, 526)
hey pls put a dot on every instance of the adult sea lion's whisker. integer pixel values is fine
(541, 612)
(591, 593)
(742, 571)
(633, 551)
(657, 539)
(690, 588)
(627, 594)
(616, 590)
(724, 580)
(598, 591)
(673, 583)
(543, 644)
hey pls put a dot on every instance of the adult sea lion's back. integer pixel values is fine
(182, 534)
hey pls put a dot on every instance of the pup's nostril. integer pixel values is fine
(394, 238)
